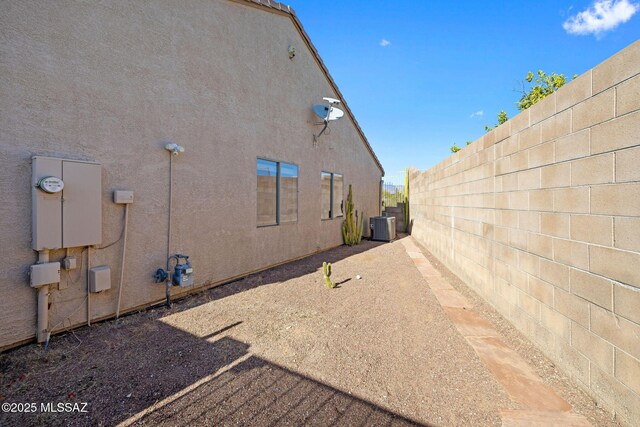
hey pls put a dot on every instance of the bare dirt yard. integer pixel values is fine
(279, 348)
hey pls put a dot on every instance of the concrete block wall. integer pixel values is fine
(541, 217)
(398, 213)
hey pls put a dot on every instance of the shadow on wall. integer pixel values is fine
(410, 227)
(135, 366)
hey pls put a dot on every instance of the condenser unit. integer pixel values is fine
(383, 228)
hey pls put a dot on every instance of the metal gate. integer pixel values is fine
(392, 194)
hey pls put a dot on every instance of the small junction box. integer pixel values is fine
(122, 197)
(45, 274)
(100, 278)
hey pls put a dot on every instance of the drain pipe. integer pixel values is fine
(42, 333)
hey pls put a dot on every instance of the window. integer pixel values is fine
(338, 208)
(326, 195)
(277, 192)
(331, 195)
(288, 192)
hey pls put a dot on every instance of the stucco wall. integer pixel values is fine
(112, 82)
(541, 217)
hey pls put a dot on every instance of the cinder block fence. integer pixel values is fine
(541, 217)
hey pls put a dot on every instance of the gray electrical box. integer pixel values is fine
(44, 274)
(100, 278)
(66, 203)
(46, 207)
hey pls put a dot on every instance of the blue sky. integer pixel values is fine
(415, 72)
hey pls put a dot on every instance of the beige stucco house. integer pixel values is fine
(112, 84)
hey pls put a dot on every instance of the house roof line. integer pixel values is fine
(276, 6)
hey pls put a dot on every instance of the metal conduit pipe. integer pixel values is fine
(88, 286)
(42, 333)
(124, 257)
(168, 284)
(174, 149)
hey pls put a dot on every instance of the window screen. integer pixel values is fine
(326, 195)
(288, 192)
(267, 172)
(338, 207)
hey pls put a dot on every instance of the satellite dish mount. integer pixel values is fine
(328, 113)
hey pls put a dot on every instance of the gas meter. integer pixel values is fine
(182, 273)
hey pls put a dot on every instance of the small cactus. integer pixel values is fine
(405, 210)
(326, 268)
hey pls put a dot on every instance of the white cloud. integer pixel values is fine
(603, 16)
(477, 114)
(384, 42)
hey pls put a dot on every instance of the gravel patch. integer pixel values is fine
(279, 348)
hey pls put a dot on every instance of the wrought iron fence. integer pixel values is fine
(392, 194)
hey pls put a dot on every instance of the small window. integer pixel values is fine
(326, 195)
(267, 192)
(277, 192)
(338, 206)
(331, 195)
(288, 192)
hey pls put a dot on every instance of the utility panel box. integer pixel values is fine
(44, 274)
(66, 203)
(100, 278)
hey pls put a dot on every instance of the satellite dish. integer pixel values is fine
(328, 113)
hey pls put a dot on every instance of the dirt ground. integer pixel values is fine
(279, 348)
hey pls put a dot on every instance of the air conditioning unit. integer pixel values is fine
(383, 228)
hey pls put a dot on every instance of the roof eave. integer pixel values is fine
(276, 6)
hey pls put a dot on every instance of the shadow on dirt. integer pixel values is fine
(157, 362)
(160, 362)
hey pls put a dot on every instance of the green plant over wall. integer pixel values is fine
(405, 210)
(455, 148)
(502, 117)
(326, 269)
(352, 225)
(541, 85)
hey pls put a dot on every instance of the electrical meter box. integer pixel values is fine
(66, 200)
